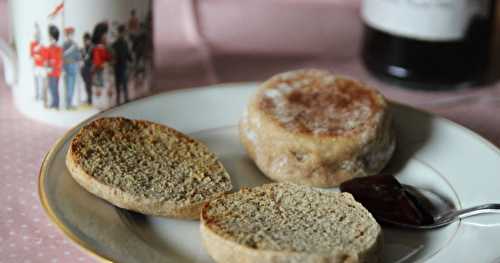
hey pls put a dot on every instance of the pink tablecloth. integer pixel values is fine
(205, 42)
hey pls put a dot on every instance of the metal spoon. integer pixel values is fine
(442, 210)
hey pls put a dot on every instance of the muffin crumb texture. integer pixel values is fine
(288, 217)
(149, 160)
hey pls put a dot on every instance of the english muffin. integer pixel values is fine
(311, 127)
(146, 167)
(284, 222)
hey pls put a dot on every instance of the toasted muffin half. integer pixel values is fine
(146, 167)
(285, 222)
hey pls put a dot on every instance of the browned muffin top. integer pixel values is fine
(316, 102)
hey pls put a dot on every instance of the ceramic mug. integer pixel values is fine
(70, 59)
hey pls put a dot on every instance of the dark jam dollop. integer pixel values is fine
(388, 200)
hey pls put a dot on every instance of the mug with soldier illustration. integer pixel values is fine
(70, 59)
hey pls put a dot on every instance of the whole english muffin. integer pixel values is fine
(146, 167)
(310, 127)
(284, 222)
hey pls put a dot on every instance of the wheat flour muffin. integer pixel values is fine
(311, 127)
(284, 222)
(146, 167)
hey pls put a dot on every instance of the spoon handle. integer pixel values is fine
(472, 211)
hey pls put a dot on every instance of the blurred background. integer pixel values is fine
(205, 42)
(247, 40)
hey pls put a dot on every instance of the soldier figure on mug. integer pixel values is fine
(72, 58)
(54, 64)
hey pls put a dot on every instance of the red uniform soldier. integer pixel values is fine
(55, 63)
(38, 54)
(100, 54)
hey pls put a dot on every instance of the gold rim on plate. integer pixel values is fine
(45, 203)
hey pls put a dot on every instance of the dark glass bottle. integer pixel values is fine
(428, 44)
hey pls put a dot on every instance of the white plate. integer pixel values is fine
(432, 153)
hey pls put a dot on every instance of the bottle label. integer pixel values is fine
(429, 20)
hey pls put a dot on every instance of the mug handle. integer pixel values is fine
(8, 57)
